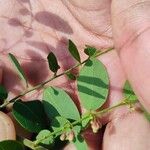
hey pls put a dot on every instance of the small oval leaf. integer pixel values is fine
(74, 51)
(93, 84)
(57, 102)
(3, 93)
(46, 138)
(90, 51)
(29, 143)
(40, 148)
(52, 61)
(86, 120)
(71, 76)
(11, 145)
(18, 68)
(59, 122)
(128, 92)
(80, 143)
(30, 115)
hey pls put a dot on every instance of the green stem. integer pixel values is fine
(101, 112)
(29, 144)
(49, 80)
(36, 143)
(104, 52)
(111, 108)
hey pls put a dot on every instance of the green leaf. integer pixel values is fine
(74, 51)
(80, 143)
(71, 76)
(57, 102)
(32, 145)
(128, 92)
(59, 122)
(48, 139)
(18, 68)
(52, 61)
(131, 97)
(3, 93)
(85, 122)
(90, 51)
(11, 145)
(77, 129)
(29, 143)
(40, 148)
(93, 84)
(30, 115)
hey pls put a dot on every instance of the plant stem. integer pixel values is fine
(101, 112)
(111, 108)
(103, 52)
(49, 80)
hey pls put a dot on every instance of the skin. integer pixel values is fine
(7, 128)
(100, 23)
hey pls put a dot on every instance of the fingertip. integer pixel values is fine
(130, 23)
(128, 132)
(7, 129)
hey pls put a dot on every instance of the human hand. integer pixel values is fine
(43, 26)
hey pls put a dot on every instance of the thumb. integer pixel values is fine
(7, 129)
(131, 29)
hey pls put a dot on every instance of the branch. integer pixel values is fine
(49, 80)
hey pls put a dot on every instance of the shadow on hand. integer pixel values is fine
(53, 21)
(35, 68)
(35, 65)
(24, 1)
(11, 80)
(61, 51)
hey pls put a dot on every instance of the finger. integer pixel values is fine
(7, 130)
(131, 28)
(130, 132)
(94, 15)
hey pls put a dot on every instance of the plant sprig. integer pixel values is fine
(51, 79)
(90, 116)
(57, 115)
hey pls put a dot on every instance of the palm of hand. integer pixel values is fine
(43, 26)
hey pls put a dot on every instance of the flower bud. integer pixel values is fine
(91, 122)
(132, 109)
(63, 137)
(95, 125)
(70, 136)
